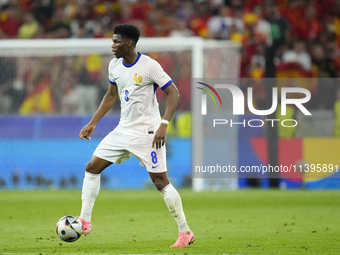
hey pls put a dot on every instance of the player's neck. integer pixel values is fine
(131, 58)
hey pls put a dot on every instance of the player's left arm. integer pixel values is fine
(171, 104)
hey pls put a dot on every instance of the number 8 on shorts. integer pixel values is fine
(154, 157)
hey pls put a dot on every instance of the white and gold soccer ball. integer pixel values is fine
(69, 228)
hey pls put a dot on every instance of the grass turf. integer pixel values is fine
(138, 222)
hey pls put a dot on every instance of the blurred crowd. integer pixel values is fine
(308, 31)
(304, 33)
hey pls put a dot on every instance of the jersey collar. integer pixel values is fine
(139, 55)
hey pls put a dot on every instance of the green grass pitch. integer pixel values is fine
(138, 222)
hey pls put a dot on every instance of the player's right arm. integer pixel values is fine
(108, 101)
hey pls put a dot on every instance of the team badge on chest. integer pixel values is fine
(138, 79)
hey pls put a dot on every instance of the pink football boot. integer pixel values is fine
(184, 240)
(86, 226)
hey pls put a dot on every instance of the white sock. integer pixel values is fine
(174, 203)
(91, 187)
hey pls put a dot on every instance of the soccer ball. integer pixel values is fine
(69, 228)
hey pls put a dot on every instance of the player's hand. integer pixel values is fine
(160, 136)
(87, 131)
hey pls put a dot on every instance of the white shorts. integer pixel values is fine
(117, 147)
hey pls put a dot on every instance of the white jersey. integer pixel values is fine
(137, 84)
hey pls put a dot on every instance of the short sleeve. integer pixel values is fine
(111, 77)
(158, 76)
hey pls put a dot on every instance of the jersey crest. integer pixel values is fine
(137, 79)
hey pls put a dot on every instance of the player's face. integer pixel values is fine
(119, 46)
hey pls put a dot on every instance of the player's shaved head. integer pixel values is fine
(127, 31)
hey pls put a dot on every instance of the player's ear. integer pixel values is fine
(130, 43)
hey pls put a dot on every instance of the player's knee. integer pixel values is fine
(159, 183)
(91, 168)
(88, 167)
